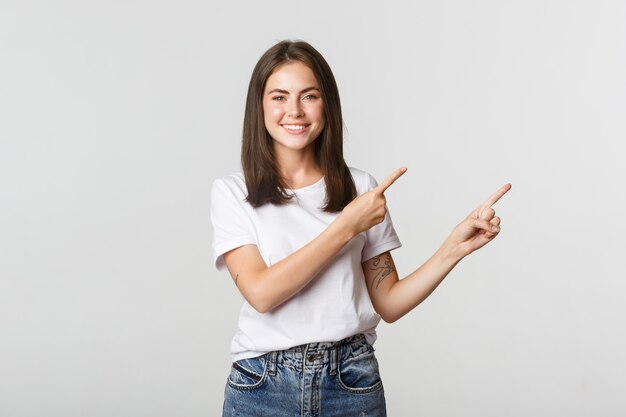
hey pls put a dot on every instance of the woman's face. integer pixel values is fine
(292, 106)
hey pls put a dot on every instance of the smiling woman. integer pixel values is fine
(307, 241)
(292, 84)
(293, 110)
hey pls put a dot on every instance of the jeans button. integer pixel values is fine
(313, 357)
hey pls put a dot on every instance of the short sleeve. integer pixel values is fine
(381, 237)
(232, 226)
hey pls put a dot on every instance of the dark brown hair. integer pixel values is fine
(263, 180)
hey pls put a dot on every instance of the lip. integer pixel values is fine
(296, 132)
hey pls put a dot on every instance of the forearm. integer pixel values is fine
(281, 281)
(410, 291)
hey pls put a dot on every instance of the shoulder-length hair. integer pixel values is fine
(263, 180)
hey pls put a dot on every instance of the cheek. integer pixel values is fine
(319, 114)
(316, 112)
(272, 113)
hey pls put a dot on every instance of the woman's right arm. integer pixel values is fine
(265, 288)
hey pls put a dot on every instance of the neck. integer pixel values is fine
(297, 166)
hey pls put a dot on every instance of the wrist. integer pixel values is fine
(343, 228)
(450, 253)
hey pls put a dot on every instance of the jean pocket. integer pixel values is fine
(360, 374)
(246, 374)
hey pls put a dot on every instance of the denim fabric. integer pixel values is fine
(328, 379)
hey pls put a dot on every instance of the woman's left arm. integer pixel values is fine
(392, 298)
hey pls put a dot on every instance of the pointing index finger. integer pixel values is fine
(496, 196)
(386, 183)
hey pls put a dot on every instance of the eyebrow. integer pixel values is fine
(278, 90)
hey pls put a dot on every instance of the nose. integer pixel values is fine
(295, 109)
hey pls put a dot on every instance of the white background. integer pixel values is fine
(115, 117)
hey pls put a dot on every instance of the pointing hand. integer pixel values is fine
(480, 227)
(370, 208)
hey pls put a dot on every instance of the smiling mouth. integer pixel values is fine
(294, 128)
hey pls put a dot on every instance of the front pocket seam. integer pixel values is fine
(248, 387)
(246, 372)
(361, 390)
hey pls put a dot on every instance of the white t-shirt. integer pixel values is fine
(335, 304)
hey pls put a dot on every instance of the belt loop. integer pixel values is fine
(333, 360)
(272, 364)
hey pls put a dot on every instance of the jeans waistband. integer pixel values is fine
(319, 353)
(321, 346)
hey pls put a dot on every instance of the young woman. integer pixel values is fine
(307, 241)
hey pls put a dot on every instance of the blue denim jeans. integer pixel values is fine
(328, 379)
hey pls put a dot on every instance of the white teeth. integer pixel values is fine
(294, 127)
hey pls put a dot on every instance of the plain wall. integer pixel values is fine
(116, 116)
